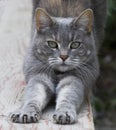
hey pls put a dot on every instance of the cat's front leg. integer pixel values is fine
(70, 95)
(38, 92)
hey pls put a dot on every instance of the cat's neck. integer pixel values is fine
(58, 72)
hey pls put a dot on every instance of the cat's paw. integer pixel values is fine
(64, 117)
(22, 116)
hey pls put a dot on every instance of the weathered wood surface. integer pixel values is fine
(15, 22)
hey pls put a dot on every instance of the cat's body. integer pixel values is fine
(62, 58)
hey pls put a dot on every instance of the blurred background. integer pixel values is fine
(105, 91)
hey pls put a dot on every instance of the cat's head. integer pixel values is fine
(63, 43)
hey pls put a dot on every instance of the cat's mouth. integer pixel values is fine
(63, 64)
(63, 67)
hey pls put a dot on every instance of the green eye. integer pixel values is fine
(75, 45)
(52, 44)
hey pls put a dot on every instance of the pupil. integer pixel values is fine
(53, 44)
(74, 45)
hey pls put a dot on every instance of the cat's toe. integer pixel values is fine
(64, 117)
(12, 117)
(25, 117)
(29, 118)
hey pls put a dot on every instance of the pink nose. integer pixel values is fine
(63, 57)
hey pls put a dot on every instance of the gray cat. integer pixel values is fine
(62, 58)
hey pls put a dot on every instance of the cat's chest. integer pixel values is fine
(58, 75)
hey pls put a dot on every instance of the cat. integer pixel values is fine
(62, 58)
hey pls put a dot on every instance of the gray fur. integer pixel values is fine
(47, 73)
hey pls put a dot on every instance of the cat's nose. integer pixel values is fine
(63, 57)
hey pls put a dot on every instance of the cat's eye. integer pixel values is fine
(52, 44)
(75, 45)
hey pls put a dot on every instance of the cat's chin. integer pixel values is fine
(63, 68)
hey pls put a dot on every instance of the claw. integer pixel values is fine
(60, 119)
(17, 118)
(25, 119)
(32, 119)
(54, 117)
(36, 117)
(13, 117)
(67, 118)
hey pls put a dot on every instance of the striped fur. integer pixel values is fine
(62, 58)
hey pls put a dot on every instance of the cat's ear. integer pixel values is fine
(43, 19)
(84, 21)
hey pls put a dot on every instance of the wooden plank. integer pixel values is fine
(15, 24)
(84, 122)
